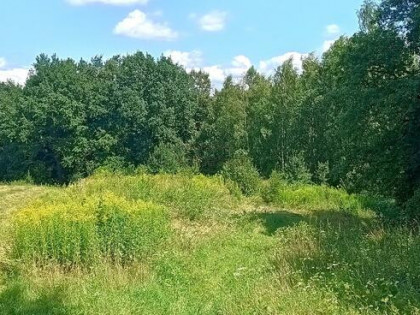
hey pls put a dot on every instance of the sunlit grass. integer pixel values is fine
(82, 231)
(310, 250)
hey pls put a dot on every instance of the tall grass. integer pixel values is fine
(321, 197)
(189, 196)
(372, 269)
(183, 244)
(83, 231)
(112, 217)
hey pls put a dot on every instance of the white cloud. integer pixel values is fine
(332, 33)
(216, 73)
(240, 66)
(213, 21)
(269, 66)
(242, 61)
(327, 45)
(112, 2)
(2, 62)
(189, 60)
(138, 25)
(332, 29)
(237, 69)
(17, 75)
(194, 60)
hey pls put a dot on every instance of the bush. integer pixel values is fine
(241, 171)
(272, 187)
(311, 197)
(168, 158)
(322, 173)
(72, 231)
(296, 170)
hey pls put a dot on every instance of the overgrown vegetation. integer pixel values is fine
(81, 231)
(243, 173)
(293, 194)
(189, 196)
(115, 243)
(350, 118)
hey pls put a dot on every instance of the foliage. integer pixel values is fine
(167, 158)
(357, 107)
(272, 187)
(322, 172)
(312, 197)
(295, 170)
(241, 171)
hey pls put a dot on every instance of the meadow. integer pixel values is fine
(191, 244)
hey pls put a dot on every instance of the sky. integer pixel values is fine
(223, 37)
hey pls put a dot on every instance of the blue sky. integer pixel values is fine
(222, 37)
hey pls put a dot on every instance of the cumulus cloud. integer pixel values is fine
(138, 25)
(332, 33)
(189, 60)
(237, 68)
(327, 45)
(216, 73)
(332, 29)
(269, 66)
(240, 65)
(213, 21)
(111, 2)
(17, 75)
(193, 60)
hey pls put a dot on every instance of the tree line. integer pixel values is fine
(350, 118)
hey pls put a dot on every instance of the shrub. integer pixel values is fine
(322, 173)
(296, 170)
(272, 187)
(311, 197)
(168, 158)
(83, 231)
(241, 171)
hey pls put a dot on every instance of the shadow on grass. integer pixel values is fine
(15, 300)
(273, 221)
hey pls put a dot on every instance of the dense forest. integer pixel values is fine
(350, 118)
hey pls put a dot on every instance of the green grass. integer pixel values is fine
(80, 232)
(314, 250)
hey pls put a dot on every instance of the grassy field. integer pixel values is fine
(204, 249)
